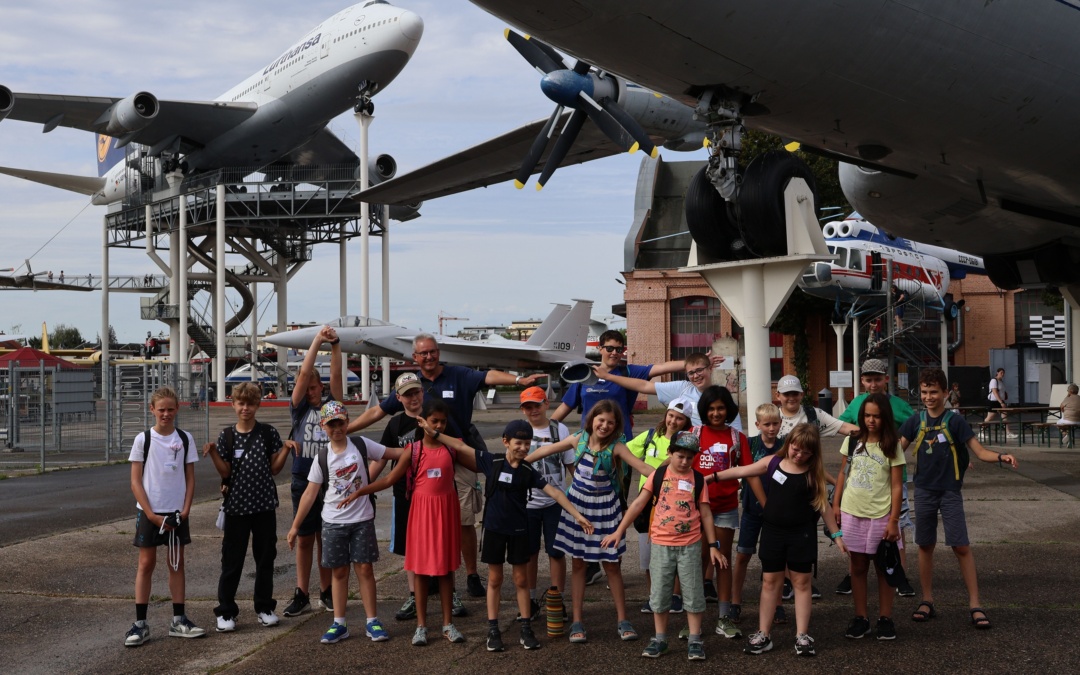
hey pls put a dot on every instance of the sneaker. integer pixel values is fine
(528, 639)
(494, 640)
(885, 629)
(695, 652)
(725, 627)
(226, 624)
(419, 638)
(710, 592)
(452, 634)
(1012, 435)
(759, 643)
(684, 634)
(183, 628)
(735, 613)
(904, 590)
(804, 645)
(655, 649)
(407, 611)
(593, 572)
(137, 635)
(457, 609)
(474, 587)
(788, 593)
(844, 587)
(646, 608)
(676, 604)
(779, 617)
(858, 627)
(337, 633)
(534, 610)
(327, 599)
(301, 603)
(376, 632)
(269, 619)
(814, 592)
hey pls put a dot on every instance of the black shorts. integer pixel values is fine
(544, 523)
(793, 548)
(399, 524)
(149, 535)
(313, 521)
(505, 548)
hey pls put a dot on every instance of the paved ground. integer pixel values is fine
(67, 567)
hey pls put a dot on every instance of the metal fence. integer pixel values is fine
(53, 418)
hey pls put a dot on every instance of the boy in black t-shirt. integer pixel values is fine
(248, 455)
(506, 525)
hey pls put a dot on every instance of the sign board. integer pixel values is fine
(840, 378)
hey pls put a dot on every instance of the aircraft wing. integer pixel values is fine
(490, 162)
(324, 149)
(196, 122)
(86, 185)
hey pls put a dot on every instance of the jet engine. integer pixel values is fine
(132, 114)
(7, 101)
(382, 169)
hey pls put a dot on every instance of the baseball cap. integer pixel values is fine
(533, 395)
(684, 440)
(874, 366)
(787, 384)
(888, 556)
(519, 429)
(405, 382)
(334, 410)
(681, 404)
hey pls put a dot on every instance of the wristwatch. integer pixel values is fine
(716, 545)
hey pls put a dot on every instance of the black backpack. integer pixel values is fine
(146, 444)
(644, 520)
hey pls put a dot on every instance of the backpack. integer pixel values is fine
(361, 445)
(811, 415)
(959, 453)
(146, 444)
(644, 520)
(416, 450)
(230, 442)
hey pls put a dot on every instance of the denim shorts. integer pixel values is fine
(544, 523)
(728, 520)
(951, 505)
(749, 530)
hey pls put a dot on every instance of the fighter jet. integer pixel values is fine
(560, 339)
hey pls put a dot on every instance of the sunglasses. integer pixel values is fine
(613, 350)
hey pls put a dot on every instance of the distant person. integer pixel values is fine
(50, 275)
(307, 399)
(1070, 410)
(942, 441)
(61, 276)
(954, 396)
(999, 398)
(247, 455)
(163, 482)
(900, 298)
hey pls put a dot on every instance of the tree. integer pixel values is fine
(113, 340)
(65, 337)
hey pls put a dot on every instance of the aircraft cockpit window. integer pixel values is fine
(832, 249)
(856, 261)
(842, 256)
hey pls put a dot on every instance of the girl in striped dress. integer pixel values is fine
(595, 493)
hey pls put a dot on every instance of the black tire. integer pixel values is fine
(709, 218)
(761, 200)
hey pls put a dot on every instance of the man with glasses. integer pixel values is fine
(456, 386)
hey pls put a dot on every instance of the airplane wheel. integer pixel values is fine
(761, 200)
(710, 221)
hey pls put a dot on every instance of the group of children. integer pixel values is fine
(686, 512)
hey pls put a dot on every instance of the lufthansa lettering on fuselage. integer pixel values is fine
(311, 42)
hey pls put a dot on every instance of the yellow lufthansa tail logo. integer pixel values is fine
(103, 143)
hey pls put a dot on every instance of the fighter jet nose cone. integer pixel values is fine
(563, 86)
(291, 339)
(412, 26)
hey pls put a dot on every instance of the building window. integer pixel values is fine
(695, 324)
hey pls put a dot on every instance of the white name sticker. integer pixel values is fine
(238, 453)
(505, 477)
(434, 473)
(941, 438)
(448, 394)
(779, 477)
(686, 486)
(170, 466)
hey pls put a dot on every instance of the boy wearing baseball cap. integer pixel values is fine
(543, 512)
(793, 412)
(348, 532)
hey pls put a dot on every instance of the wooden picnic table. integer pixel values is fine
(1019, 412)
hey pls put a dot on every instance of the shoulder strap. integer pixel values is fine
(773, 464)
(699, 485)
(323, 465)
(811, 414)
(658, 482)
(736, 447)
(553, 429)
(649, 438)
(145, 449)
(917, 441)
(851, 456)
(492, 482)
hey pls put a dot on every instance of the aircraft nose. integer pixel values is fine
(412, 26)
(292, 339)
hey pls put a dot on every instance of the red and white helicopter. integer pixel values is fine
(865, 257)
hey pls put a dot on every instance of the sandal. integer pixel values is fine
(920, 615)
(577, 633)
(983, 622)
(627, 632)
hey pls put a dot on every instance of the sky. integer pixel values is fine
(494, 255)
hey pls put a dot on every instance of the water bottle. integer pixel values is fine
(554, 610)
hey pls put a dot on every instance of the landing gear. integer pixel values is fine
(364, 105)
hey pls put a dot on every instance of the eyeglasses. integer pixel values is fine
(426, 354)
(613, 350)
(696, 371)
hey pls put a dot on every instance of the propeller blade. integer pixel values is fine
(535, 55)
(630, 125)
(608, 124)
(562, 146)
(537, 149)
(581, 67)
(547, 49)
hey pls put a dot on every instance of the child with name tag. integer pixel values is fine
(248, 455)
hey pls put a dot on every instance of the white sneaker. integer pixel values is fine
(1012, 435)
(268, 619)
(225, 624)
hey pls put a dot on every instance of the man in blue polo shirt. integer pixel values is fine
(456, 386)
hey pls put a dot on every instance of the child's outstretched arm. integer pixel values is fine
(306, 500)
(394, 476)
(466, 455)
(989, 455)
(758, 468)
(560, 446)
(223, 468)
(632, 511)
(638, 465)
(278, 461)
(560, 497)
(718, 558)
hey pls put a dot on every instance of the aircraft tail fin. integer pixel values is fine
(548, 325)
(572, 332)
(108, 155)
(86, 185)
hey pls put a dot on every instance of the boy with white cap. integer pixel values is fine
(793, 412)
